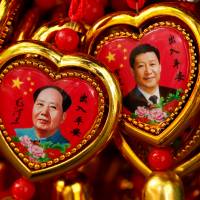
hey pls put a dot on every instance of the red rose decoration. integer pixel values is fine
(21, 148)
(170, 107)
(142, 119)
(52, 153)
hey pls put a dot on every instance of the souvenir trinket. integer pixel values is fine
(154, 54)
(56, 111)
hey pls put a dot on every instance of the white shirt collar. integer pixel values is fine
(147, 95)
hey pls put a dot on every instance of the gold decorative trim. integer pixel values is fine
(56, 76)
(157, 129)
(150, 15)
(108, 88)
(7, 25)
(190, 145)
(131, 156)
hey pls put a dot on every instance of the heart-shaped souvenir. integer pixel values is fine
(56, 111)
(155, 56)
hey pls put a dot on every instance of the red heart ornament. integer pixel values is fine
(175, 36)
(56, 111)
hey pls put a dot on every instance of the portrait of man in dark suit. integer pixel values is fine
(146, 67)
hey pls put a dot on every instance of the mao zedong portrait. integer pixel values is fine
(146, 67)
(49, 112)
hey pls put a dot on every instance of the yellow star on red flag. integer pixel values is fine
(17, 83)
(110, 57)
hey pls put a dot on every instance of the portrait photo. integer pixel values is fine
(149, 100)
(47, 118)
(153, 72)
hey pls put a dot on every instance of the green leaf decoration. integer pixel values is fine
(161, 103)
(29, 154)
(45, 159)
(133, 115)
(61, 147)
(173, 96)
(66, 146)
(153, 122)
(58, 146)
(46, 145)
(15, 139)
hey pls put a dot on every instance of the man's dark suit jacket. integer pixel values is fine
(135, 98)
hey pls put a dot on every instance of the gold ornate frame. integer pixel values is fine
(67, 66)
(147, 19)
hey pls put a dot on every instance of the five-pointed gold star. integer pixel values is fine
(110, 57)
(17, 83)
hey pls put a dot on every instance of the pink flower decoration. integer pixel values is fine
(157, 114)
(25, 141)
(36, 151)
(32, 159)
(141, 111)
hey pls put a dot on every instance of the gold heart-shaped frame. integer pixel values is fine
(115, 29)
(27, 66)
(147, 20)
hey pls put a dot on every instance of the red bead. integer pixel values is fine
(45, 4)
(22, 189)
(67, 40)
(160, 159)
(93, 11)
(135, 4)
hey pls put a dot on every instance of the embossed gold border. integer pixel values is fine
(157, 15)
(189, 146)
(87, 67)
(8, 11)
(149, 15)
(156, 129)
(182, 169)
(55, 76)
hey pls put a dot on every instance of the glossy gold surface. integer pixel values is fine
(74, 191)
(3, 9)
(70, 191)
(77, 62)
(129, 154)
(63, 190)
(189, 166)
(163, 186)
(162, 12)
(128, 18)
(154, 15)
(8, 17)
(42, 33)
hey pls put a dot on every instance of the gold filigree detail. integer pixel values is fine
(189, 146)
(8, 24)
